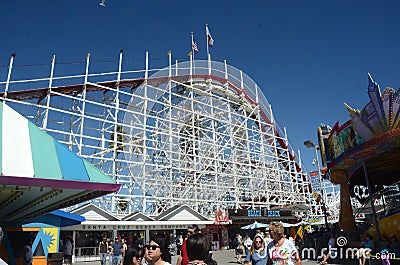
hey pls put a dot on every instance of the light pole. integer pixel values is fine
(310, 144)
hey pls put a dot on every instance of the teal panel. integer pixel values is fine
(1, 137)
(44, 155)
(95, 174)
(72, 166)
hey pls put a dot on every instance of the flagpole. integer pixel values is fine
(207, 39)
(192, 45)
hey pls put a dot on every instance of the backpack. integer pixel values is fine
(235, 243)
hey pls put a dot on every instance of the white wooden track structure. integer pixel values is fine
(199, 132)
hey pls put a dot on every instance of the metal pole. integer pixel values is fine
(146, 73)
(192, 45)
(9, 74)
(46, 115)
(83, 104)
(209, 64)
(120, 66)
(226, 70)
(322, 190)
(191, 66)
(207, 40)
(371, 200)
(170, 63)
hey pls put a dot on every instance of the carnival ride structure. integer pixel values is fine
(363, 154)
(195, 132)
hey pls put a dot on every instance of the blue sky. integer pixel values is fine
(309, 57)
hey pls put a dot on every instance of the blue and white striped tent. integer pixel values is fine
(38, 174)
(255, 225)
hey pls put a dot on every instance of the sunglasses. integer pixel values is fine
(153, 247)
(258, 242)
(138, 257)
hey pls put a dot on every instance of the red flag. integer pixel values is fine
(209, 38)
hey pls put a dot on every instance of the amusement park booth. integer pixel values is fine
(363, 156)
(44, 233)
(38, 176)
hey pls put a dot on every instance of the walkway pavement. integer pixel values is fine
(227, 257)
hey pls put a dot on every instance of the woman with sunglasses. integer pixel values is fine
(137, 259)
(258, 254)
(281, 250)
(133, 256)
(158, 251)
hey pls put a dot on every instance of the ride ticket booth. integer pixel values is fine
(218, 230)
(43, 234)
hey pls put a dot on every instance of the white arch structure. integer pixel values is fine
(199, 133)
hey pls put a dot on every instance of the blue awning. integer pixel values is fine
(56, 218)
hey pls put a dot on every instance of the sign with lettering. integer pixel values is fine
(105, 227)
(273, 213)
(254, 213)
(315, 182)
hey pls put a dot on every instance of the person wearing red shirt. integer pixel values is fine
(183, 259)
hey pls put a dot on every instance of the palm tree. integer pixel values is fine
(121, 138)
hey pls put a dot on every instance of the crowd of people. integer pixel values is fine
(195, 249)
(388, 248)
(155, 253)
(271, 247)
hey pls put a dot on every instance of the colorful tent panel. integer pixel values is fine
(16, 152)
(44, 147)
(70, 164)
(40, 175)
(95, 174)
(27, 151)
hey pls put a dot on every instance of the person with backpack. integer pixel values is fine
(247, 244)
(103, 249)
(237, 244)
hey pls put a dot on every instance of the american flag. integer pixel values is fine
(209, 38)
(194, 46)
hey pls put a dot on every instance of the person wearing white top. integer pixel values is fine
(247, 244)
(67, 250)
(281, 250)
(267, 238)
